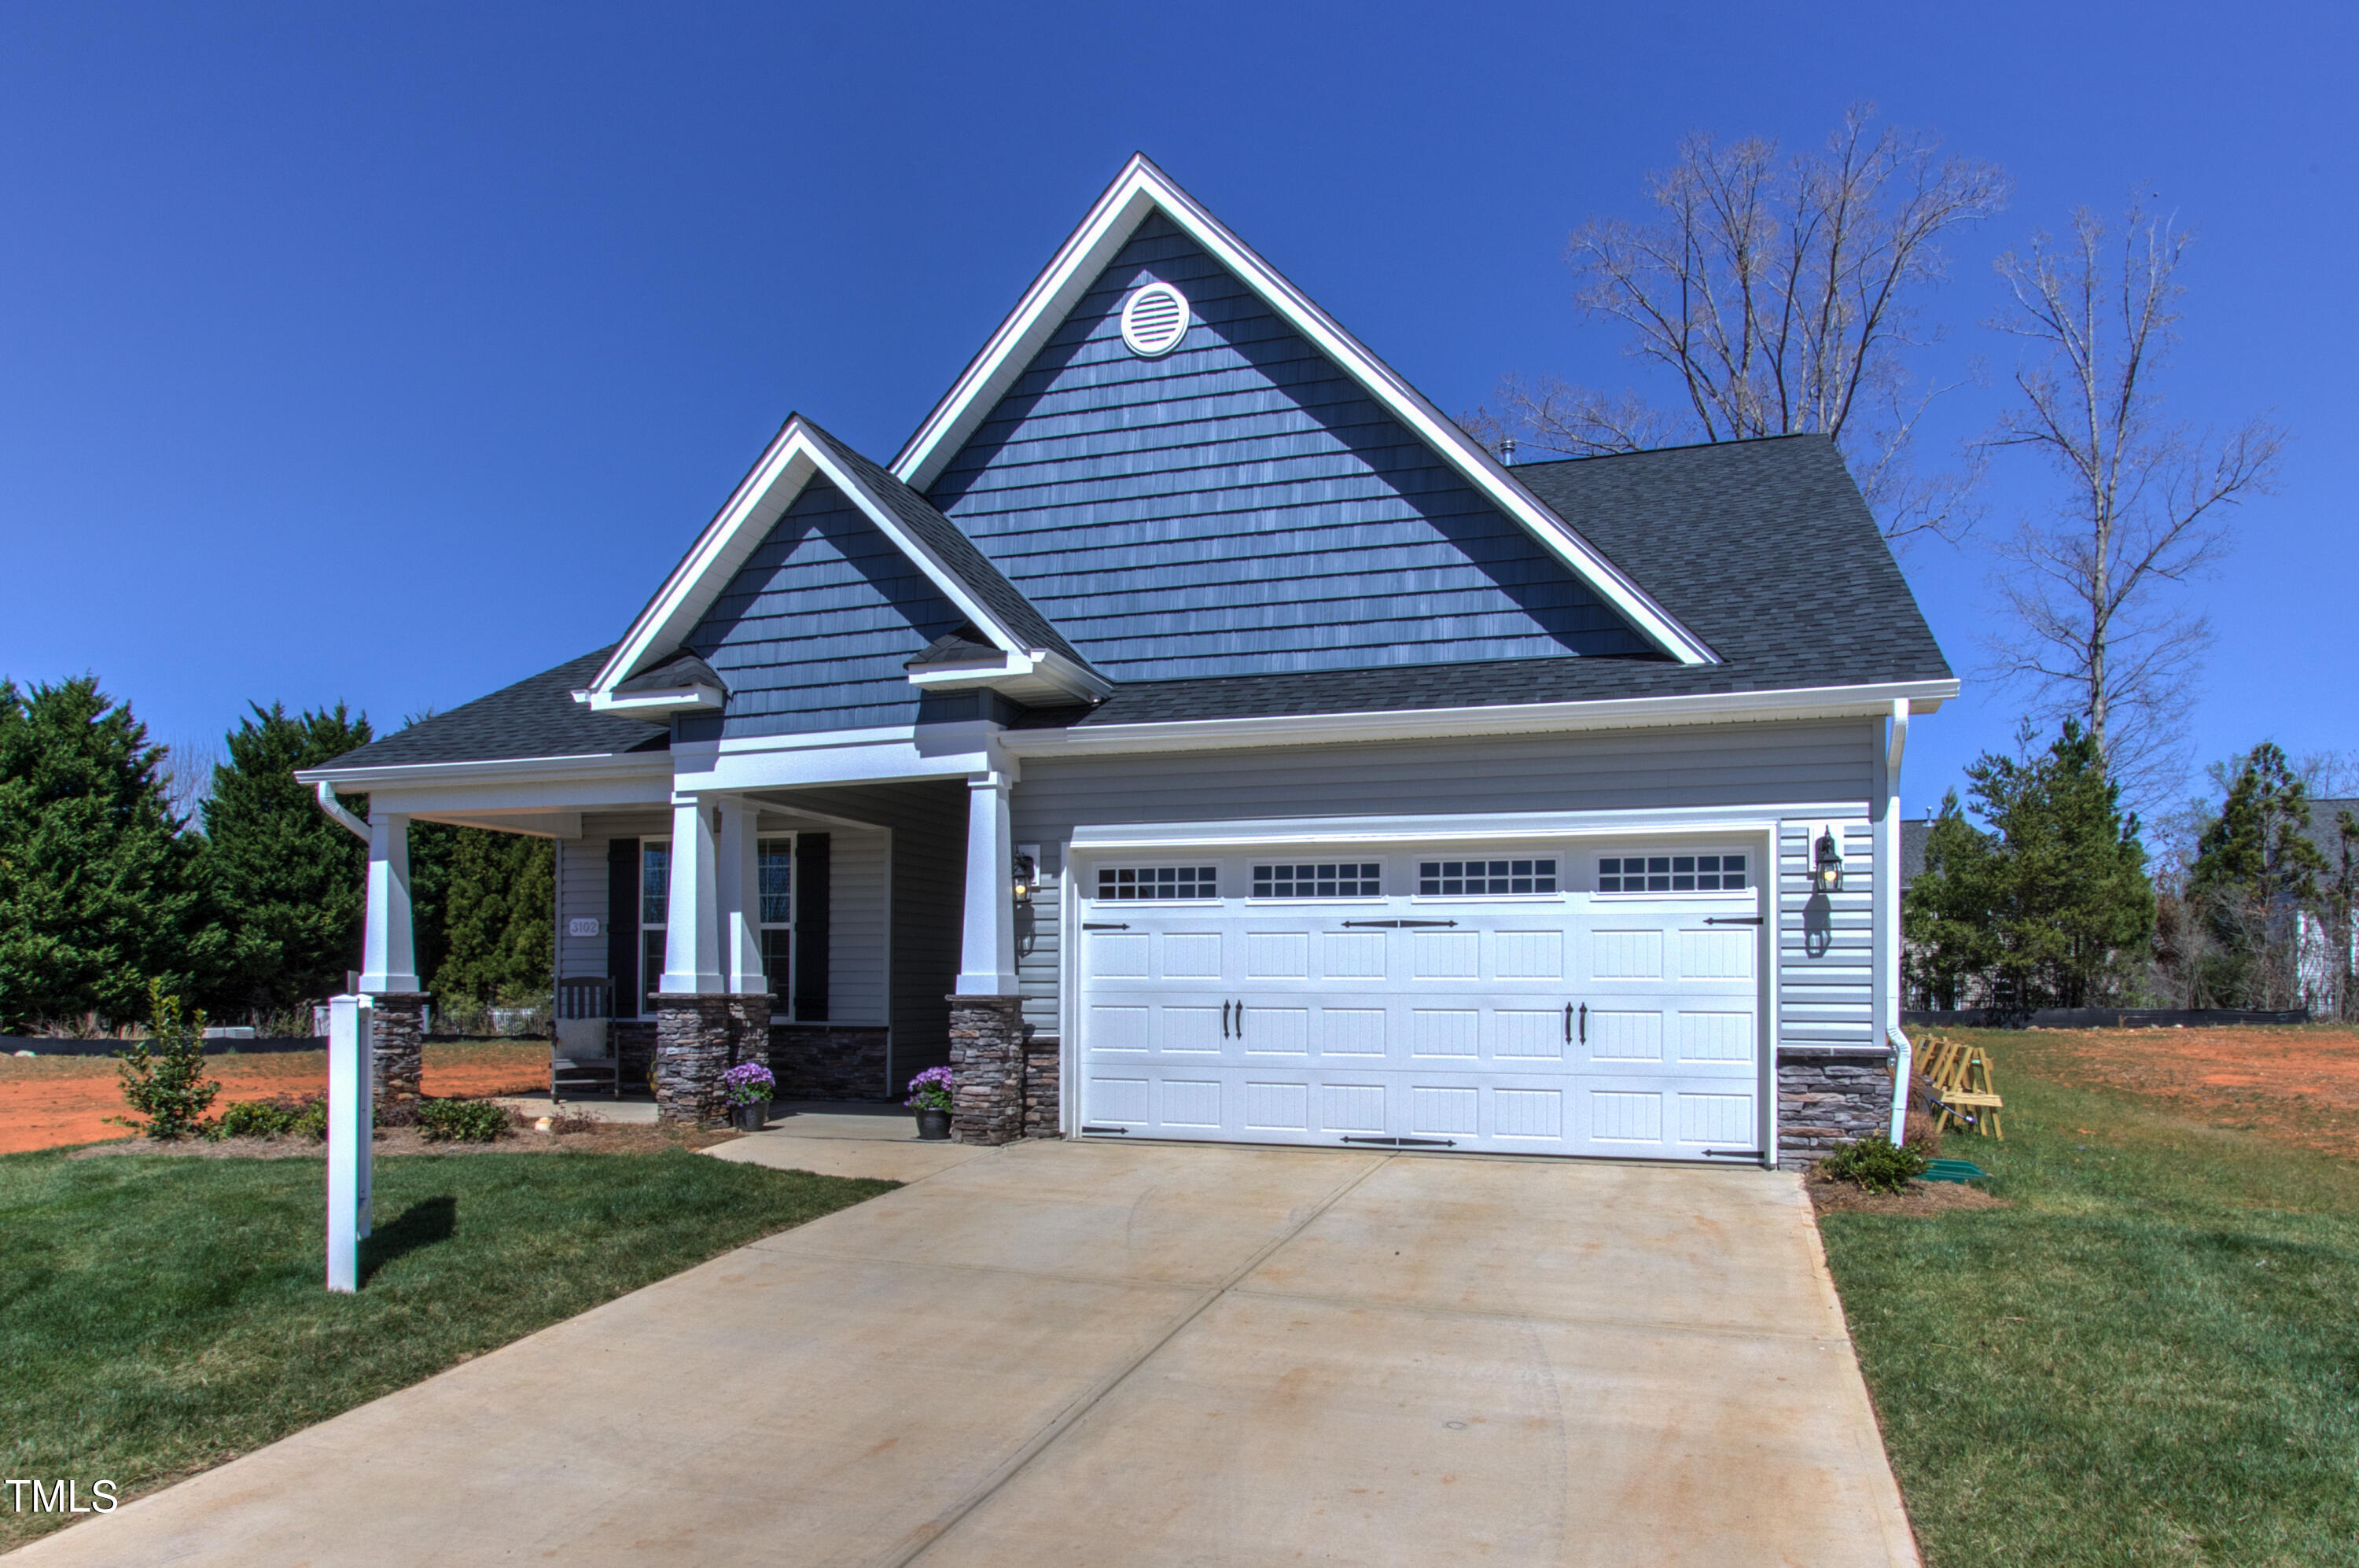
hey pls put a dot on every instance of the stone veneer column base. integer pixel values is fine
(397, 1061)
(1828, 1096)
(987, 1069)
(692, 1050)
(831, 1061)
(750, 1029)
(1043, 1078)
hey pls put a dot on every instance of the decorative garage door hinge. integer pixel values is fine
(1732, 920)
(1086, 1127)
(1407, 1142)
(1396, 925)
(1098, 925)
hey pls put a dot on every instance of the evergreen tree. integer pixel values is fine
(2052, 904)
(2255, 870)
(100, 892)
(497, 940)
(289, 881)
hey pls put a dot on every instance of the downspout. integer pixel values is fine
(1888, 913)
(335, 810)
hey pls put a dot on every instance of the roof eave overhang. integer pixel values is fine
(582, 766)
(653, 704)
(1036, 676)
(1861, 702)
(1142, 188)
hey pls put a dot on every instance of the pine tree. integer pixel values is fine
(100, 890)
(2050, 904)
(2256, 871)
(497, 938)
(290, 882)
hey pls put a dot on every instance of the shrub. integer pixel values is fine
(462, 1121)
(270, 1118)
(1873, 1163)
(749, 1084)
(930, 1089)
(163, 1075)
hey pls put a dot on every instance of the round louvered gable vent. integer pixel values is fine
(1154, 320)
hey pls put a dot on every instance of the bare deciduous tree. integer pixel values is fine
(2145, 500)
(1778, 291)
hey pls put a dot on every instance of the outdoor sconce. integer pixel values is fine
(1826, 864)
(1023, 885)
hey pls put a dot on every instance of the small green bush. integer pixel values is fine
(462, 1121)
(164, 1075)
(1873, 1163)
(271, 1118)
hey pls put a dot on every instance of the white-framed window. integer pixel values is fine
(655, 906)
(1125, 883)
(774, 861)
(1320, 879)
(1668, 872)
(1484, 878)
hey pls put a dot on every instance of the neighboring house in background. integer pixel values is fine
(1193, 733)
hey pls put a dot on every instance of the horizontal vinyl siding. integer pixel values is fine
(1765, 765)
(580, 894)
(1240, 505)
(813, 631)
(858, 865)
(1039, 936)
(1826, 944)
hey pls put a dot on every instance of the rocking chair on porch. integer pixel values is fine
(585, 1057)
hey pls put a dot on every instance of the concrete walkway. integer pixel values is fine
(1084, 1354)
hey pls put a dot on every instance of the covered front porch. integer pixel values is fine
(846, 936)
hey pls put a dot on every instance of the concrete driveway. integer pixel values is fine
(1092, 1354)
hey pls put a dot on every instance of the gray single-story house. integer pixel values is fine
(1190, 732)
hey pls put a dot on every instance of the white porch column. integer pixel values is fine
(740, 889)
(693, 962)
(987, 937)
(389, 949)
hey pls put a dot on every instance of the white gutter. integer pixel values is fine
(335, 810)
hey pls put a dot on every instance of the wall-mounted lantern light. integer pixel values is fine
(1826, 864)
(1025, 877)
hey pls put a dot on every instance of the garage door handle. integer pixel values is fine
(1732, 920)
(1568, 1023)
(1584, 1023)
(1224, 1020)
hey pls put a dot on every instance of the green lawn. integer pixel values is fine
(161, 1314)
(2151, 1357)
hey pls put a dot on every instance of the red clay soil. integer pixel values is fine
(50, 1100)
(2298, 1084)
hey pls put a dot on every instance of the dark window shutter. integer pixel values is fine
(623, 923)
(811, 879)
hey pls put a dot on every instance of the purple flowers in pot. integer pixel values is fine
(749, 1084)
(930, 1089)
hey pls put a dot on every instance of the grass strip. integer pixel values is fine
(160, 1316)
(2150, 1357)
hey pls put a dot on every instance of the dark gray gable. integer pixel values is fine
(1241, 507)
(815, 629)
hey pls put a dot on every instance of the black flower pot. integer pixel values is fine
(749, 1118)
(934, 1126)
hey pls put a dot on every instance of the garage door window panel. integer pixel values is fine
(1159, 884)
(1485, 878)
(1320, 879)
(1670, 873)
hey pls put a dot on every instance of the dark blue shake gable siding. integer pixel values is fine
(1240, 506)
(812, 632)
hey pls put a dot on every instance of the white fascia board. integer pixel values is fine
(1142, 188)
(1524, 718)
(680, 700)
(886, 756)
(525, 824)
(1663, 822)
(765, 493)
(530, 784)
(1034, 672)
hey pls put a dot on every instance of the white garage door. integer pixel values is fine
(1599, 1001)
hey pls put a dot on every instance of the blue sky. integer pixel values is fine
(389, 355)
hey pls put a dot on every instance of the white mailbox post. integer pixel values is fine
(350, 1124)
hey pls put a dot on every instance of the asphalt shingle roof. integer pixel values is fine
(535, 717)
(1763, 549)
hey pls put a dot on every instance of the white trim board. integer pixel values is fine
(1141, 189)
(1689, 821)
(1283, 729)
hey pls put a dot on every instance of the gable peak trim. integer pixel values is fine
(1142, 189)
